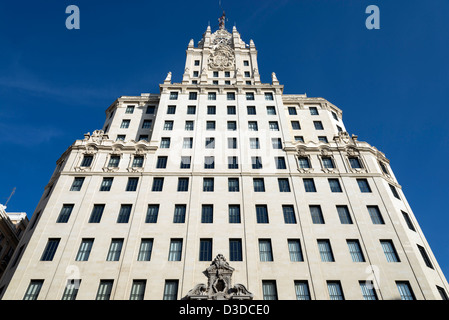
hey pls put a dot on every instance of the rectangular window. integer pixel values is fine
(269, 96)
(313, 111)
(211, 110)
(168, 125)
(171, 290)
(137, 162)
(71, 289)
(355, 251)
(114, 161)
(355, 163)
(125, 212)
(234, 213)
(158, 184)
(405, 290)
(256, 162)
(249, 95)
(165, 143)
(212, 96)
(259, 185)
(210, 143)
(335, 291)
(233, 163)
(368, 291)
(304, 162)
(50, 249)
(129, 109)
(33, 290)
(96, 213)
(132, 184)
(269, 290)
(170, 110)
(442, 293)
(425, 256)
(65, 213)
(254, 143)
(179, 215)
(252, 126)
(296, 125)
(273, 125)
(191, 109)
(394, 191)
(125, 124)
(175, 250)
(147, 124)
(408, 221)
(318, 125)
(77, 184)
(185, 162)
(210, 125)
(84, 250)
(143, 137)
(208, 184)
(106, 184)
(104, 290)
(231, 110)
(209, 162)
(121, 137)
(262, 214)
(150, 109)
(230, 96)
(271, 111)
(324, 246)
(327, 162)
(145, 249)
(115, 249)
(389, 250)
(138, 290)
(276, 143)
(280, 163)
(289, 214)
(232, 143)
(232, 125)
(189, 126)
(87, 161)
(375, 215)
(235, 250)
(284, 185)
(233, 185)
(299, 138)
(343, 214)
(292, 111)
(187, 143)
(161, 162)
(294, 249)
(183, 184)
(334, 184)
(152, 213)
(207, 213)
(309, 185)
(302, 290)
(363, 185)
(265, 251)
(323, 139)
(173, 95)
(193, 95)
(316, 214)
(205, 250)
(251, 110)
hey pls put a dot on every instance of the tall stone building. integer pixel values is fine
(223, 165)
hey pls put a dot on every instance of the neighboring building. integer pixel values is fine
(223, 164)
(12, 227)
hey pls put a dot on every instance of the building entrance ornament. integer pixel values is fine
(219, 275)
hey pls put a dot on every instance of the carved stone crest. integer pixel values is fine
(219, 275)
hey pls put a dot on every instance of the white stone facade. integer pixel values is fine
(214, 112)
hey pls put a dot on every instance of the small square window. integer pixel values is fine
(323, 139)
(230, 96)
(292, 111)
(250, 96)
(129, 109)
(189, 126)
(271, 110)
(150, 109)
(146, 124)
(232, 125)
(193, 95)
(174, 95)
(212, 96)
(269, 96)
(231, 110)
(318, 125)
(191, 109)
(125, 124)
(197, 62)
(247, 74)
(215, 74)
(246, 63)
(251, 110)
(313, 111)
(227, 74)
(171, 109)
(296, 125)
(210, 125)
(211, 109)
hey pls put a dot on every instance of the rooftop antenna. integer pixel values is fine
(222, 19)
(13, 191)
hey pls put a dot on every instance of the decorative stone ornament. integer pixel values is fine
(219, 275)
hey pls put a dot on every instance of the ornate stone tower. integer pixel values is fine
(222, 163)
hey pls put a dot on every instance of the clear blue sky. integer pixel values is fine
(392, 83)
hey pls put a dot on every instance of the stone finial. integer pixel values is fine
(168, 78)
(191, 44)
(274, 79)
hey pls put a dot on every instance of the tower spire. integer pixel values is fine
(221, 20)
